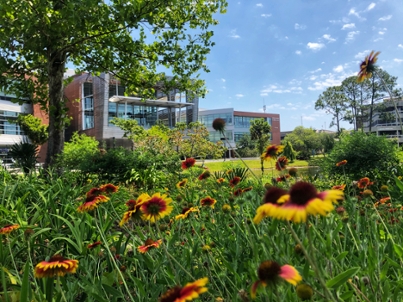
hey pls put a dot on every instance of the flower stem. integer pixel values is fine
(112, 258)
(12, 259)
(312, 263)
(60, 288)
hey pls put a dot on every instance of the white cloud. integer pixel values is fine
(265, 15)
(371, 6)
(315, 46)
(348, 26)
(234, 35)
(398, 61)
(355, 13)
(259, 5)
(298, 52)
(400, 45)
(299, 26)
(223, 80)
(381, 32)
(385, 18)
(275, 106)
(362, 55)
(328, 38)
(239, 95)
(351, 36)
(277, 89)
(338, 68)
(316, 70)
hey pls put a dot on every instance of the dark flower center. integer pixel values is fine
(274, 194)
(268, 271)
(302, 192)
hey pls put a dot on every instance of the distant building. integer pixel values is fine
(10, 133)
(95, 101)
(385, 121)
(238, 124)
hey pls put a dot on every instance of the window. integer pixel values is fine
(88, 106)
(216, 136)
(207, 120)
(244, 121)
(6, 123)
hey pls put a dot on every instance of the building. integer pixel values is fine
(95, 100)
(10, 133)
(238, 124)
(385, 121)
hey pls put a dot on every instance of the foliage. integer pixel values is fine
(370, 156)
(131, 39)
(333, 101)
(33, 128)
(221, 243)
(305, 141)
(289, 152)
(246, 147)
(24, 154)
(260, 133)
(78, 152)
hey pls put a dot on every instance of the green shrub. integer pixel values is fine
(370, 156)
(78, 151)
(24, 154)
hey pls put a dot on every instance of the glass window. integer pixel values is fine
(88, 106)
(207, 120)
(6, 123)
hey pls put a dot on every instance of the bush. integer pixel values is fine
(370, 156)
(24, 154)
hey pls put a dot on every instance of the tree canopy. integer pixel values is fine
(132, 39)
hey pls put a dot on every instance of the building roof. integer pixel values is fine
(142, 102)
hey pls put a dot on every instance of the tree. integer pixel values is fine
(246, 147)
(260, 132)
(33, 128)
(289, 152)
(131, 39)
(305, 141)
(334, 102)
(355, 96)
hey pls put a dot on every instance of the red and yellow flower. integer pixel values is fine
(270, 272)
(156, 207)
(339, 187)
(134, 208)
(271, 203)
(109, 188)
(304, 200)
(56, 266)
(182, 183)
(220, 180)
(272, 151)
(91, 203)
(189, 292)
(206, 174)
(281, 163)
(234, 181)
(208, 202)
(188, 163)
(185, 213)
(149, 244)
(9, 228)
(341, 163)
(364, 182)
(367, 67)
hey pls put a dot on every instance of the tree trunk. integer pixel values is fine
(56, 67)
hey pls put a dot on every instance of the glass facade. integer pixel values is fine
(244, 121)
(215, 136)
(146, 116)
(6, 125)
(207, 120)
(238, 135)
(88, 106)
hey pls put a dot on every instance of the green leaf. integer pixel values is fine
(25, 287)
(398, 250)
(342, 278)
(341, 256)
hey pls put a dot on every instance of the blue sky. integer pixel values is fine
(284, 54)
